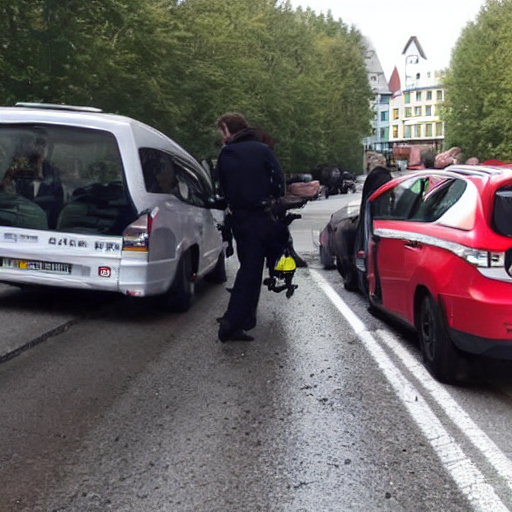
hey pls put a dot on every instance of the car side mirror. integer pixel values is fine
(502, 212)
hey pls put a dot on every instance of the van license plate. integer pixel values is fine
(42, 266)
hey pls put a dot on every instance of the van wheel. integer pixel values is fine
(218, 274)
(180, 295)
(440, 355)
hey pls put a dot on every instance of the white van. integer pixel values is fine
(99, 201)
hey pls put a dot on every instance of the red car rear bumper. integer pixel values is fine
(500, 349)
(481, 324)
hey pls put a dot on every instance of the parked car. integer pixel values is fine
(436, 253)
(303, 185)
(90, 200)
(341, 238)
(348, 182)
(337, 241)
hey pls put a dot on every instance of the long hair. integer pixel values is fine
(240, 129)
(235, 122)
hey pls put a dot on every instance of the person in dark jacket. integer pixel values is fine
(250, 176)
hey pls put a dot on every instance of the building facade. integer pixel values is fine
(379, 139)
(415, 108)
(408, 107)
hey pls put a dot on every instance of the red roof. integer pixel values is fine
(394, 82)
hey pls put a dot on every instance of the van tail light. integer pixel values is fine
(136, 235)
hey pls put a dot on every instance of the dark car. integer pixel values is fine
(341, 238)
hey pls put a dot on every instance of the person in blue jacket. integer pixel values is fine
(250, 177)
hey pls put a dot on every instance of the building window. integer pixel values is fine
(384, 134)
(395, 113)
(417, 130)
(429, 95)
(408, 112)
(417, 111)
(407, 97)
(384, 100)
(384, 115)
(418, 96)
(439, 95)
(395, 131)
(428, 130)
(428, 110)
(407, 132)
(439, 129)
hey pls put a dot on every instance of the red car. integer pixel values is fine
(438, 252)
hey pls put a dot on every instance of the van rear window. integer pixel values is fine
(62, 178)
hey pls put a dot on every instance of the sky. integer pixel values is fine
(389, 24)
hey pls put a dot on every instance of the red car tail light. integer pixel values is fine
(484, 258)
(136, 235)
(489, 264)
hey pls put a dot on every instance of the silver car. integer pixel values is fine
(98, 201)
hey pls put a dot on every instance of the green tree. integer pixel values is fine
(105, 53)
(179, 64)
(479, 85)
(298, 75)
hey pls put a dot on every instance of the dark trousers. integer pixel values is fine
(257, 237)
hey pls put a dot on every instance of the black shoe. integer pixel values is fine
(249, 324)
(226, 333)
(225, 330)
(241, 335)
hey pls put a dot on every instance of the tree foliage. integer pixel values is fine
(479, 85)
(179, 65)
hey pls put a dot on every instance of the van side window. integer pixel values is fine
(158, 170)
(166, 174)
(190, 187)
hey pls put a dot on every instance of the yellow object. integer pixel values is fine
(285, 264)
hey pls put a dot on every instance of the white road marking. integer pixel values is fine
(467, 477)
(439, 393)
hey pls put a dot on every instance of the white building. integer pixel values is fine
(417, 96)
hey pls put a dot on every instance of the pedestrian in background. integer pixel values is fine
(250, 176)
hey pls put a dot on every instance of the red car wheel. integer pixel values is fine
(440, 355)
